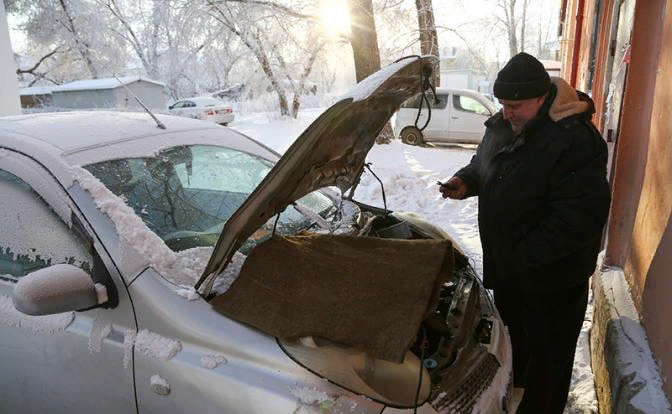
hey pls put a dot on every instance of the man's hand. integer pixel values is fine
(454, 188)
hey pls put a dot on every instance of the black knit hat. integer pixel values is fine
(523, 77)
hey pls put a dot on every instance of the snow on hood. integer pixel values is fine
(330, 152)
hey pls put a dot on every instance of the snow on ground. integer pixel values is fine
(409, 175)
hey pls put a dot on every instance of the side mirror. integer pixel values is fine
(171, 106)
(55, 289)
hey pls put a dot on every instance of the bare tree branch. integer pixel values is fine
(113, 7)
(39, 76)
(39, 62)
(269, 4)
(82, 46)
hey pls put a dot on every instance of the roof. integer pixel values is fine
(36, 90)
(103, 83)
(61, 140)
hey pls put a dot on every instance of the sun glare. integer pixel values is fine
(335, 17)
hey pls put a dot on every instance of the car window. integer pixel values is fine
(33, 236)
(468, 104)
(414, 102)
(209, 102)
(179, 104)
(189, 192)
(189, 104)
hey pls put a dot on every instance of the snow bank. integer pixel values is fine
(582, 397)
(631, 348)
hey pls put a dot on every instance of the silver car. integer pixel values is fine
(456, 116)
(122, 244)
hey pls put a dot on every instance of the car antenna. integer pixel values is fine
(159, 124)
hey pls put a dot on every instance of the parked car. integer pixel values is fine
(457, 116)
(206, 108)
(109, 225)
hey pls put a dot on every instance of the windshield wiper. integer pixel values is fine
(313, 215)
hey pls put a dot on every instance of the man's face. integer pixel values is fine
(519, 113)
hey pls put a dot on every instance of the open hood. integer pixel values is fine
(330, 152)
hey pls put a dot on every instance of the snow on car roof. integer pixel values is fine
(61, 140)
(103, 83)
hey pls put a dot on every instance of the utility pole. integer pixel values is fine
(10, 102)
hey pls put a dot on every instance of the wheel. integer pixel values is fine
(411, 136)
(224, 123)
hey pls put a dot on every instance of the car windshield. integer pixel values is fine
(187, 193)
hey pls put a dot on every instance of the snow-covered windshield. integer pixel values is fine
(187, 193)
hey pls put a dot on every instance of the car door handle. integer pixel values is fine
(455, 117)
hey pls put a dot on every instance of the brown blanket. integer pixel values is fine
(365, 292)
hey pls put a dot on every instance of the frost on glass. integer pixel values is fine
(33, 236)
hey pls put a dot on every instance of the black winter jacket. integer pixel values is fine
(543, 195)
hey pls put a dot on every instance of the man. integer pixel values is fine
(540, 174)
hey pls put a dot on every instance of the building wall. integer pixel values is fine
(639, 234)
(567, 39)
(149, 93)
(600, 88)
(104, 98)
(457, 79)
(588, 24)
(649, 263)
(35, 101)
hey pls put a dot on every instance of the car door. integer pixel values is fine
(439, 123)
(71, 362)
(467, 119)
(439, 119)
(191, 110)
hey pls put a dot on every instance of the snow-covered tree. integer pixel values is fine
(283, 40)
(72, 37)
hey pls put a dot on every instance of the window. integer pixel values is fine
(33, 236)
(187, 193)
(179, 104)
(467, 104)
(414, 102)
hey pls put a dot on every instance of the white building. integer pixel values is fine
(109, 93)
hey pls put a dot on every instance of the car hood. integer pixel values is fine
(330, 152)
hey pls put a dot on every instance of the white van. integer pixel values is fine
(458, 117)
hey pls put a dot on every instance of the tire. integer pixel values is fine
(412, 136)
(224, 123)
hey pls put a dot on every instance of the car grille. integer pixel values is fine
(462, 398)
